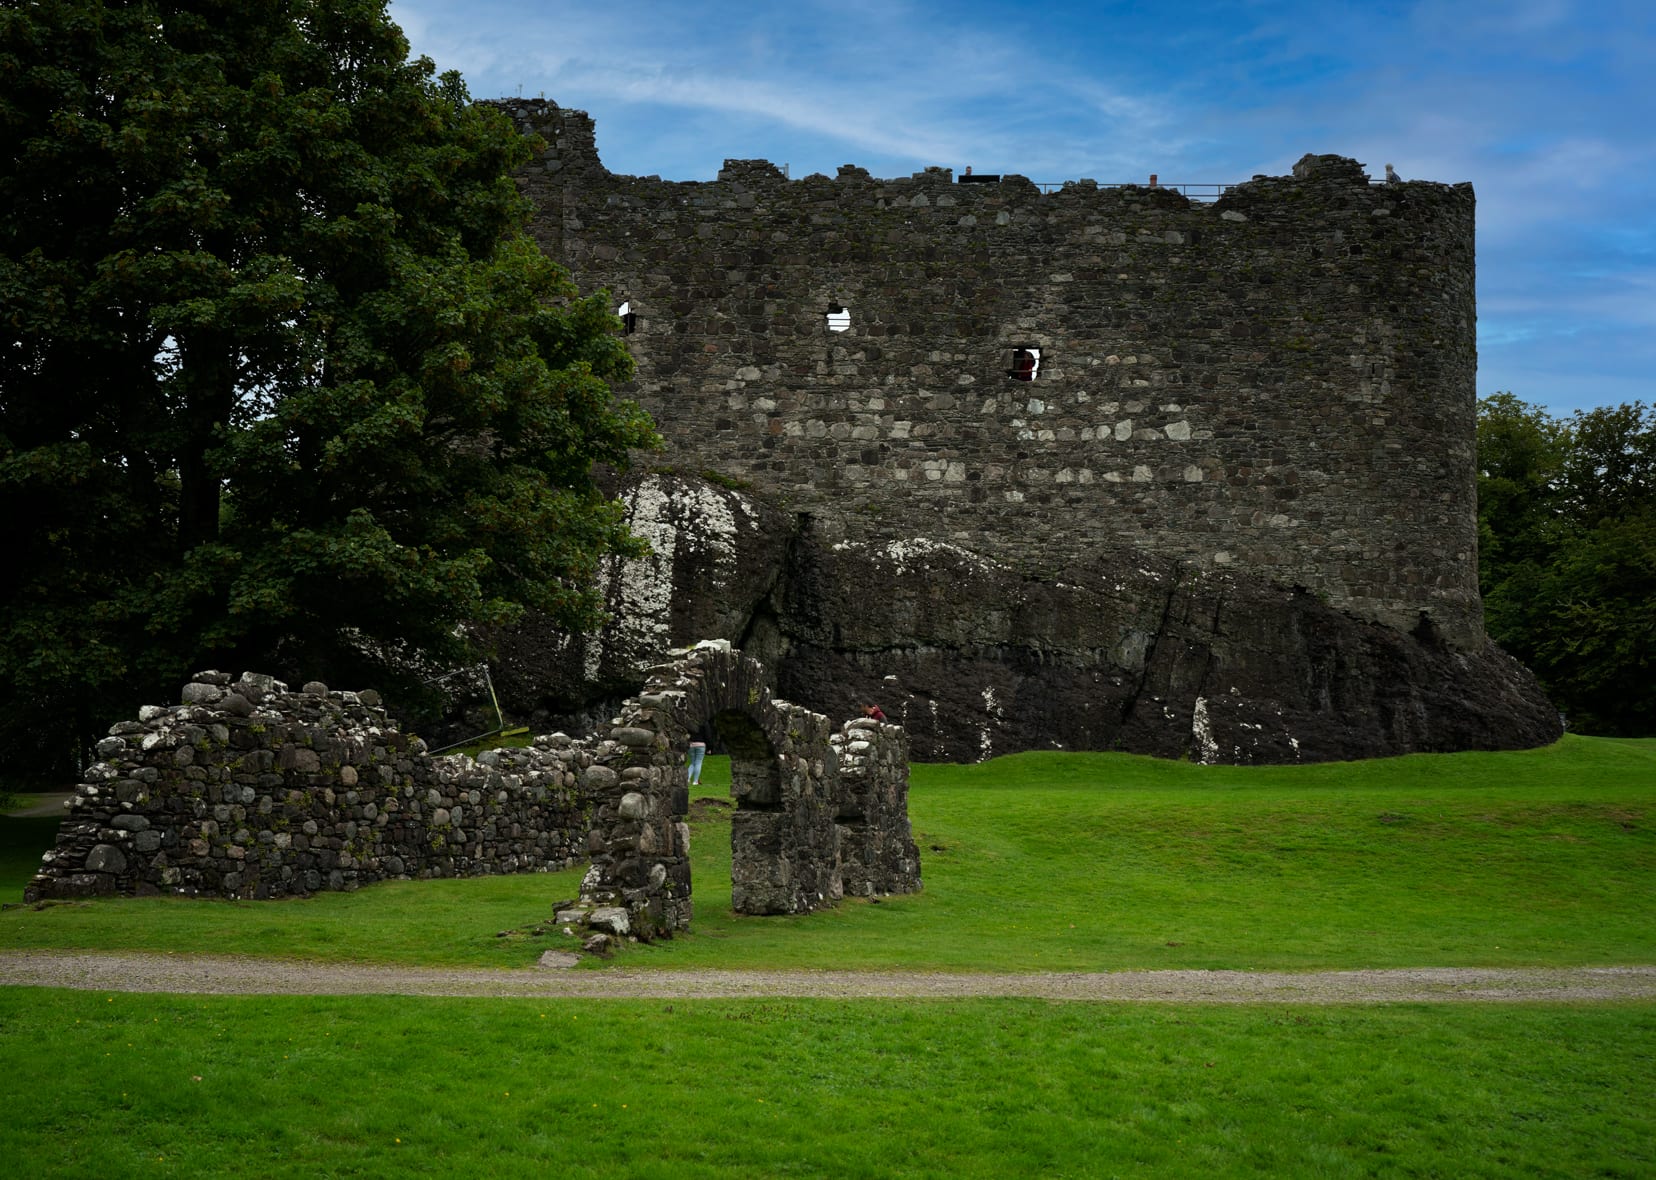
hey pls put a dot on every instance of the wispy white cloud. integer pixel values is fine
(822, 111)
(1627, 298)
(890, 80)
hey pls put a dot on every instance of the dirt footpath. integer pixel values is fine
(209, 975)
(40, 806)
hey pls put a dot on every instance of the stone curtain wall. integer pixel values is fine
(1279, 382)
(247, 790)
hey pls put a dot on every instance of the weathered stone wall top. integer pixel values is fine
(248, 790)
(1280, 381)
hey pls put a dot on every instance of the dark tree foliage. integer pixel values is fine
(283, 384)
(1567, 554)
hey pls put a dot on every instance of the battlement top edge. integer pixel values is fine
(534, 115)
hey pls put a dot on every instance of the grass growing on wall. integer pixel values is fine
(1071, 862)
(127, 1085)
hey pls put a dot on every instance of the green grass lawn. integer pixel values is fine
(1038, 862)
(146, 1085)
(1055, 861)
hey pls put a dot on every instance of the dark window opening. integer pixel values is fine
(629, 318)
(755, 779)
(1026, 363)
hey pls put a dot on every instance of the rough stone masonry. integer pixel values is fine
(1096, 468)
(247, 790)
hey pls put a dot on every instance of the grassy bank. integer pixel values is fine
(379, 1086)
(1075, 862)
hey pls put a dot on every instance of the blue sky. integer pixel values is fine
(1547, 106)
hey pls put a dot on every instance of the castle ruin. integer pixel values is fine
(1101, 467)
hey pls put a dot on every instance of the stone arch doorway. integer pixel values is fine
(784, 844)
(755, 778)
(784, 854)
(787, 784)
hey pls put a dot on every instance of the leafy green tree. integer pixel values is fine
(1520, 455)
(1609, 471)
(283, 383)
(1596, 650)
(1567, 554)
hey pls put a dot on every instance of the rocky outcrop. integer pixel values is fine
(716, 553)
(1125, 650)
(1134, 653)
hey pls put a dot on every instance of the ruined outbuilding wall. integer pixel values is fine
(1279, 382)
(247, 790)
(877, 853)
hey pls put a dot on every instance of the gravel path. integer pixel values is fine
(241, 976)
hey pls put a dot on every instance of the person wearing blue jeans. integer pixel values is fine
(698, 751)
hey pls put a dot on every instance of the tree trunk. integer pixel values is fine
(210, 384)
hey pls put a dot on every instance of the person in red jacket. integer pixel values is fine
(874, 712)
